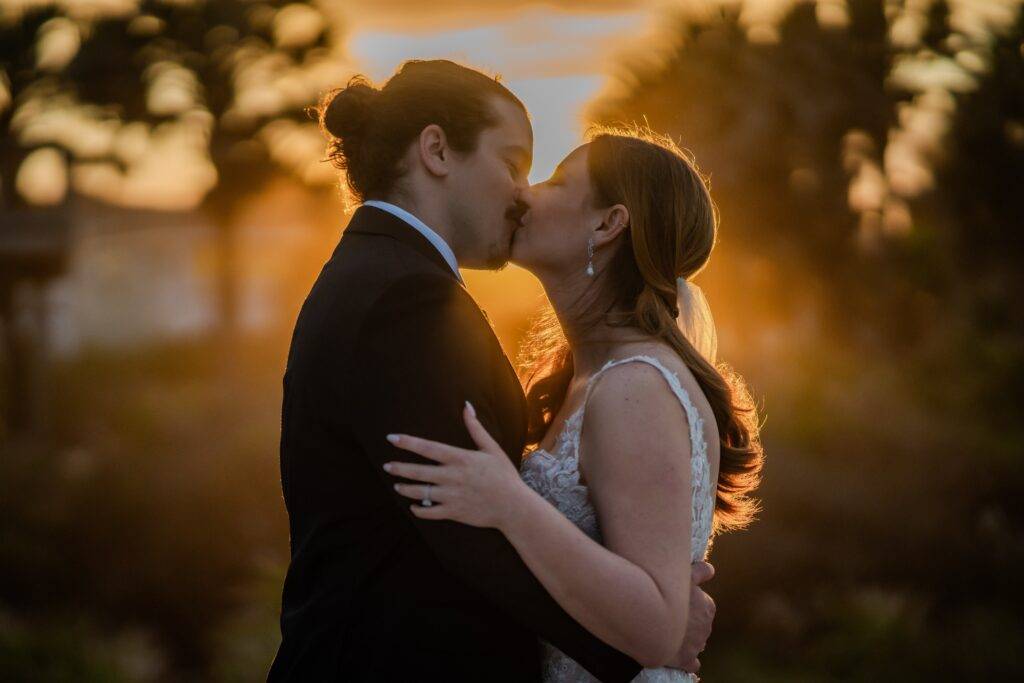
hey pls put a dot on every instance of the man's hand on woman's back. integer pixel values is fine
(698, 625)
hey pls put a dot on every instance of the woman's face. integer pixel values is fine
(561, 219)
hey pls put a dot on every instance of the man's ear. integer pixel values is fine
(615, 221)
(434, 151)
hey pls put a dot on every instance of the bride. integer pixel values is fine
(631, 417)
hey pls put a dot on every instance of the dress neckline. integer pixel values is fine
(560, 437)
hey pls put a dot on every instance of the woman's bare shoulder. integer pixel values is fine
(633, 408)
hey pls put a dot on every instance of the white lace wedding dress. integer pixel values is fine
(555, 475)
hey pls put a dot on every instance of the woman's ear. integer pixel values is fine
(616, 219)
(434, 152)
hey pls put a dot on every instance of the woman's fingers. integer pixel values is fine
(429, 473)
(476, 430)
(419, 492)
(428, 449)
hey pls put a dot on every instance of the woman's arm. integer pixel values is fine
(635, 456)
(634, 593)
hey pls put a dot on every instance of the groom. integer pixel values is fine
(388, 340)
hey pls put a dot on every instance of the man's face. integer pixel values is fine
(485, 203)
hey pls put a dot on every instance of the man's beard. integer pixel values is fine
(498, 258)
(500, 253)
(514, 214)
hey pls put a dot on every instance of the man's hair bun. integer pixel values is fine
(370, 129)
(345, 112)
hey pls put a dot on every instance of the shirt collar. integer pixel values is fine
(423, 229)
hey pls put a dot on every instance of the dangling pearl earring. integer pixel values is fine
(590, 257)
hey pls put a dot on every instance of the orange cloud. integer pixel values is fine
(413, 14)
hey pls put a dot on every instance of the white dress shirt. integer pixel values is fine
(423, 229)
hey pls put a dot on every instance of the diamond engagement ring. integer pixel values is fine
(426, 502)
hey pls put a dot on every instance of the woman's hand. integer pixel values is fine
(480, 488)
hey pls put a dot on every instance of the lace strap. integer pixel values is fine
(697, 444)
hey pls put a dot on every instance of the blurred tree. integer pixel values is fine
(783, 118)
(855, 148)
(240, 74)
(211, 93)
(221, 84)
(871, 151)
(33, 240)
(974, 253)
(977, 210)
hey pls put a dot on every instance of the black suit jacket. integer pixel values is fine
(387, 341)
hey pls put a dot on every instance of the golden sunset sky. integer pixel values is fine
(555, 56)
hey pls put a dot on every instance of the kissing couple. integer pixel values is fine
(445, 524)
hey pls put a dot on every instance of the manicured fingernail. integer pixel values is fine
(471, 409)
(387, 467)
(393, 438)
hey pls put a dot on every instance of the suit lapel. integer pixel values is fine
(369, 220)
(513, 379)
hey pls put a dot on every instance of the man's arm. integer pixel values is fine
(422, 352)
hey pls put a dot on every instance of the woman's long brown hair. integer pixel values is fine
(673, 225)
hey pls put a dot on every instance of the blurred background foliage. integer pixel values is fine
(867, 157)
(869, 269)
